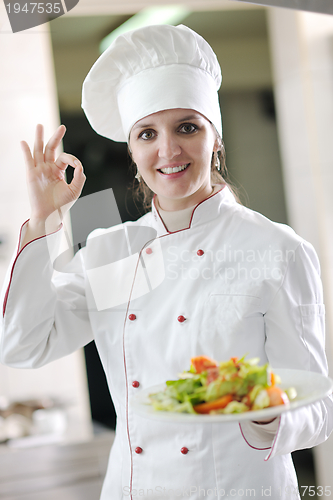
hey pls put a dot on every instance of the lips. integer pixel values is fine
(173, 170)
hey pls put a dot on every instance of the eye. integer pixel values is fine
(146, 135)
(188, 128)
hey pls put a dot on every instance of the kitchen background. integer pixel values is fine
(277, 107)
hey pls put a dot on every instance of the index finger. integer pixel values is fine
(29, 161)
(39, 144)
(53, 143)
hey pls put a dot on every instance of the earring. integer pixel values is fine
(217, 162)
(138, 176)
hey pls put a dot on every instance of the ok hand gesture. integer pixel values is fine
(47, 186)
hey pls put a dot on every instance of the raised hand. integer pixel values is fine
(47, 186)
(48, 190)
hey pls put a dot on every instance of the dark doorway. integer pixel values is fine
(106, 165)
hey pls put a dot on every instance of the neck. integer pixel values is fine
(172, 205)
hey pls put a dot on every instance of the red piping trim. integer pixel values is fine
(185, 228)
(125, 368)
(275, 439)
(17, 255)
(211, 196)
(126, 381)
(253, 447)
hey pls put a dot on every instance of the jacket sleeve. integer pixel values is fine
(43, 318)
(295, 338)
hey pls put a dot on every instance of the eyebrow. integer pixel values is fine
(183, 119)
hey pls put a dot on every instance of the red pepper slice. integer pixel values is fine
(201, 363)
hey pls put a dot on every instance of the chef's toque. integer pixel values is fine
(149, 70)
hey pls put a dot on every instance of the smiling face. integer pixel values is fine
(173, 152)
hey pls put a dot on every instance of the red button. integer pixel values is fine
(200, 252)
(149, 251)
(135, 383)
(181, 319)
(132, 317)
(184, 450)
(138, 450)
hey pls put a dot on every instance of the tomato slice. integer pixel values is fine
(212, 373)
(201, 363)
(213, 405)
(276, 396)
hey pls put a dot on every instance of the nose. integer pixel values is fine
(168, 146)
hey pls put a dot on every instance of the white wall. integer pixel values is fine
(252, 148)
(302, 59)
(28, 97)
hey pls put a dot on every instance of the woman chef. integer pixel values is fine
(198, 274)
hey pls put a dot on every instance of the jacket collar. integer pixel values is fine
(204, 212)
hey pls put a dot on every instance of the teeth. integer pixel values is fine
(172, 170)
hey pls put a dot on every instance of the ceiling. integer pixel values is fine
(238, 23)
(68, 30)
(91, 7)
(323, 6)
(104, 7)
(239, 38)
(91, 20)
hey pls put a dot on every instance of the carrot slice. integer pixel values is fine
(201, 363)
(213, 405)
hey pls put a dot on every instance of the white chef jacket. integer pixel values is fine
(232, 283)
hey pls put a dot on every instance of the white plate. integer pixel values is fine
(310, 387)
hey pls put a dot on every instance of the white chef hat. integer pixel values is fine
(149, 70)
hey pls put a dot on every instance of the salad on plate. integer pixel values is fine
(233, 386)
